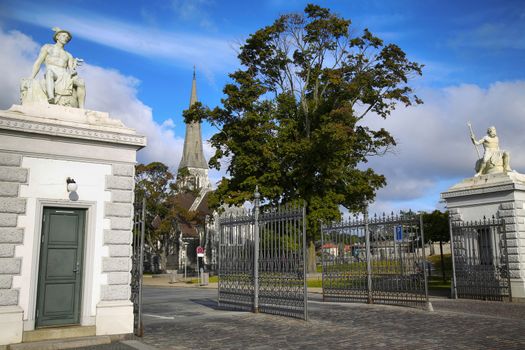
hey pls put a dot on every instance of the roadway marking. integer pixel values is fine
(162, 317)
(212, 314)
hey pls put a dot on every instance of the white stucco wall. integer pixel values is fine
(47, 186)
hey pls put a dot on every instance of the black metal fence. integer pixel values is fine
(375, 260)
(480, 260)
(262, 261)
(138, 264)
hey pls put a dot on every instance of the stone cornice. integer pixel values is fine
(492, 183)
(475, 191)
(56, 129)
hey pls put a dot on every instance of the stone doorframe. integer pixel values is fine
(89, 258)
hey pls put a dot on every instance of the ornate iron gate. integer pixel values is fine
(378, 260)
(236, 249)
(138, 264)
(262, 261)
(480, 260)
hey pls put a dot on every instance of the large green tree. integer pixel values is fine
(293, 118)
(164, 212)
(436, 228)
(153, 181)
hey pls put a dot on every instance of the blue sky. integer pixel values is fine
(140, 54)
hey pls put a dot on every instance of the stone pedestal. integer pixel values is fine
(11, 325)
(502, 196)
(40, 147)
(114, 317)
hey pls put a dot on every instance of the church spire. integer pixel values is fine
(193, 155)
(193, 97)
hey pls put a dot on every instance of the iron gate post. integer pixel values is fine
(368, 258)
(323, 267)
(219, 254)
(429, 304)
(304, 266)
(454, 290)
(257, 195)
(141, 264)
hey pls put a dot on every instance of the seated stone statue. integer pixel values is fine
(494, 160)
(61, 84)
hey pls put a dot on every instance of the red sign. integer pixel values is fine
(200, 250)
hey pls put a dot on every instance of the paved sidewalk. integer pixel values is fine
(164, 281)
(187, 318)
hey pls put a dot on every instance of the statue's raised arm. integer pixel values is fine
(61, 84)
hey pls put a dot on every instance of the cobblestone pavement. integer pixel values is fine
(187, 318)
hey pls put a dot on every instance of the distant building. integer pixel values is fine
(194, 188)
(193, 160)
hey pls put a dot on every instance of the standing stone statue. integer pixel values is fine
(494, 160)
(61, 85)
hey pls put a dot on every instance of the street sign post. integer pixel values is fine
(398, 233)
(398, 238)
(200, 252)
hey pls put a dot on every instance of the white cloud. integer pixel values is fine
(107, 90)
(16, 59)
(434, 143)
(433, 150)
(214, 54)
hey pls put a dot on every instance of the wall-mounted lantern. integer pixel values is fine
(71, 185)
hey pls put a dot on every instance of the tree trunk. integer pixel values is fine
(311, 266)
(442, 260)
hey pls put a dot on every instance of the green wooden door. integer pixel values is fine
(60, 272)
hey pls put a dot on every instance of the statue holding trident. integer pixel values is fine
(61, 85)
(494, 160)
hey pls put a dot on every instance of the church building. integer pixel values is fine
(194, 187)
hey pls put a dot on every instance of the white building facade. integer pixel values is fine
(65, 251)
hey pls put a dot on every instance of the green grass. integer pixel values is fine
(436, 283)
(212, 279)
(314, 283)
(436, 261)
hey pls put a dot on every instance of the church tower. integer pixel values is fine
(193, 156)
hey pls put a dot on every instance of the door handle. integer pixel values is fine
(77, 268)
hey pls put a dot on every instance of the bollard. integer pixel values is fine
(205, 278)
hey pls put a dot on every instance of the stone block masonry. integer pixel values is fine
(8, 220)
(11, 177)
(12, 205)
(7, 250)
(118, 239)
(502, 196)
(514, 216)
(12, 174)
(10, 159)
